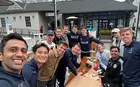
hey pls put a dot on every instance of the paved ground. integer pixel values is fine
(107, 43)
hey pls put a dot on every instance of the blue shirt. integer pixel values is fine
(30, 72)
(131, 66)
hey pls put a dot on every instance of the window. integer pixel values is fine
(28, 21)
(3, 24)
(14, 18)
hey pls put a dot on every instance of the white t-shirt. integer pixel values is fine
(49, 45)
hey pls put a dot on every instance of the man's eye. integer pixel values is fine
(24, 51)
(13, 49)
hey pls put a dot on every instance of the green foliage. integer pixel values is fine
(104, 32)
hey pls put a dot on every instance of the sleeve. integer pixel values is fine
(74, 60)
(92, 39)
(4, 83)
(27, 72)
(69, 63)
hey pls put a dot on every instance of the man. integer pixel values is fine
(13, 56)
(65, 32)
(47, 71)
(117, 40)
(31, 69)
(58, 35)
(113, 76)
(49, 39)
(69, 60)
(85, 42)
(73, 36)
(131, 57)
(103, 55)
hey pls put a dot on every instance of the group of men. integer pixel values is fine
(52, 56)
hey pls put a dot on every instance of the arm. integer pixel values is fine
(69, 63)
(92, 39)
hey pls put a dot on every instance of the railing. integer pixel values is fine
(21, 31)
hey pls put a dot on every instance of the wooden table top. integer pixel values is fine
(85, 80)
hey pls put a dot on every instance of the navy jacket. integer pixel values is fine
(30, 72)
(9, 79)
(73, 39)
(131, 67)
(85, 42)
(69, 60)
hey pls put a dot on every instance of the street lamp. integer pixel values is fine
(55, 13)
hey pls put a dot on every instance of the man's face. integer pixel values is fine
(114, 53)
(41, 55)
(74, 29)
(126, 37)
(84, 31)
(58, 33)
(61, 49)
(50, 37)
(116, 34)
(14, 56)
(100, 48)
(65, 30)
(76, 50)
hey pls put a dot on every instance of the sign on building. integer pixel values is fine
(9, 26)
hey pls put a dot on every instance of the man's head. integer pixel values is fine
(84, 31)
(65, 29)
(114, 50)
(40, 53)
(116, 32)
(126, 35)
(13, 52)
(50, 35)
(61, 47)
(76, 49)
(74, 29)
(58, 32)
(100, 47)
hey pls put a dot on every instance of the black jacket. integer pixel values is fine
(113, 72)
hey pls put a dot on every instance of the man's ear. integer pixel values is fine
(1, 56)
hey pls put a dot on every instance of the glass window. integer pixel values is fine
(28, 21)
(3, 24)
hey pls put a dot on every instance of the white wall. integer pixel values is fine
(20, 22)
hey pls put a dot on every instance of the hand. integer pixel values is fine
(79, 73)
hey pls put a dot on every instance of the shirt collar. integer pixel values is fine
(131, 44)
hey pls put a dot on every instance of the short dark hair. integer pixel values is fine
(74, 26)
(8, 37)
(63, 42)
(112, 47)
(36, 46)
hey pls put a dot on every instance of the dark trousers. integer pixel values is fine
(50, 83)
(60, 76)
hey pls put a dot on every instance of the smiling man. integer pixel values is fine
(48, 69)
(113, 72)
(131, 57)
(31, 68)
(13, 56)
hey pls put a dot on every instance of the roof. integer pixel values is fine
(94, 6)
(76, 6)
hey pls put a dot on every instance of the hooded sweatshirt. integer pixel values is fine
(10, 79)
